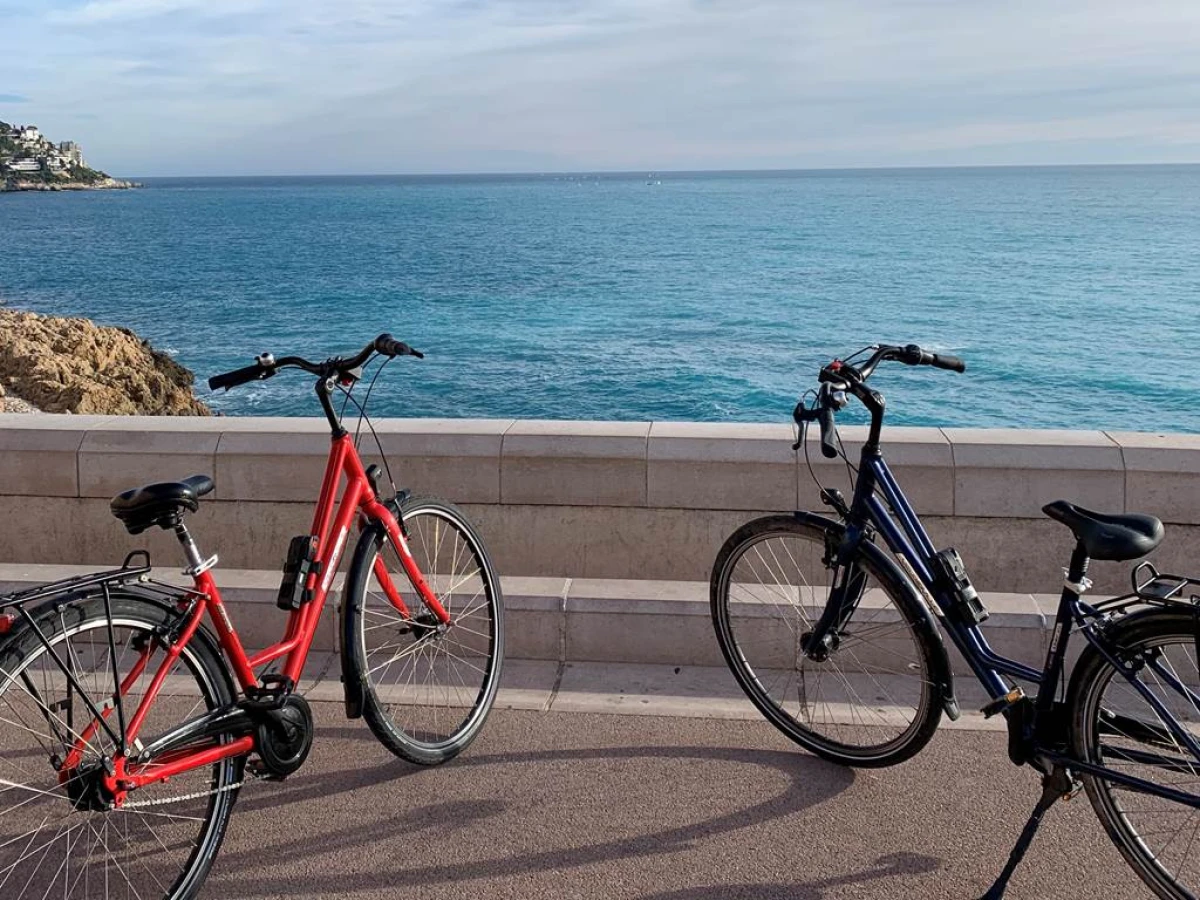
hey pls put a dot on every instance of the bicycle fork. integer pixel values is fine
(845, 594)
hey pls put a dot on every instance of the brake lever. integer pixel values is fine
(802, 415)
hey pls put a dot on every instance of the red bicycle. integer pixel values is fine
(128, 725)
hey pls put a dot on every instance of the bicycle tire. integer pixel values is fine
(1098, 693)
(765, 623)
(123, 843)
(410, 707)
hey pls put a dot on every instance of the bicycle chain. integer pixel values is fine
(253, 777)
(162, 801)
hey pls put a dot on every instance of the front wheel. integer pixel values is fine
(874, 696)
(426, 688)
(1115, 725)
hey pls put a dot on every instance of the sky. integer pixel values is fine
(241, 87)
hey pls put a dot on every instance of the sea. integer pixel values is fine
(1073, 293)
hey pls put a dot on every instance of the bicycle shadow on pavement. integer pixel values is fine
(810, 781)
(888, 866)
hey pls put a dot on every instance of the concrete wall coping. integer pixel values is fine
(983, 473)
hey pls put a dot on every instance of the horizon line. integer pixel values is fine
(547, 172)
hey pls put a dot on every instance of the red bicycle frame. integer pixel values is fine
(331, 530)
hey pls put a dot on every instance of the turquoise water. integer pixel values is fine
(1073, 293)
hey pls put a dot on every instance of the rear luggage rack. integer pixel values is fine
(1157, 587)
(1151, 586)
(127, 572)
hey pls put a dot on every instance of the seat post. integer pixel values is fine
(1074, 586)
(196, 563)
(1079, 565)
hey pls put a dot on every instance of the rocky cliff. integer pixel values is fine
(106, 183)
(76, 366)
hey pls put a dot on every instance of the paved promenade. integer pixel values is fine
(576, 804)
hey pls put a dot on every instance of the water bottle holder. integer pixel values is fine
(300, 563)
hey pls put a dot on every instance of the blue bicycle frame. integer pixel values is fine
(909, 541)
(906, 538)
(1039, 730)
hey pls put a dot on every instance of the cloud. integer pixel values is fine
(433, 85)
(107, 11)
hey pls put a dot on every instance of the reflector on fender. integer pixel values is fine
(7, 620)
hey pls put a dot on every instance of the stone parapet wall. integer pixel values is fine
(647, 501)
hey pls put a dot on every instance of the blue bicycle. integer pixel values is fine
(836, 641)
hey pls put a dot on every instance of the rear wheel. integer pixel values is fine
(426, 687)
(1114, 725)
(59, 835)
(874, 697)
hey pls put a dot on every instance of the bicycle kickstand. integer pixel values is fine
(1057, 785)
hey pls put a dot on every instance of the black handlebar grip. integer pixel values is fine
(389, 346)
(245, 375)
(945, 361)
(825, 418)
(915, 356)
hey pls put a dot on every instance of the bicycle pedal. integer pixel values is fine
(1002, 704)
(271, 693)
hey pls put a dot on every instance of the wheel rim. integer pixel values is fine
(432, 683)
(47, 846)
(873, 690)
(1162, 835)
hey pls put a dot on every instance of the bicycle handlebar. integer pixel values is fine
(266, 365)
(910, 355)
(938, 361)
(390, 347)
(822, 413)
(232, 379)
(840, 376)
(825, 418)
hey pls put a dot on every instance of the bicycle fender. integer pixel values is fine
(1130, 622)
(353, 691)
(203, 633)
(908, 594)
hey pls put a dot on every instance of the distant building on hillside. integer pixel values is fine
(72, 152)
(29, 160)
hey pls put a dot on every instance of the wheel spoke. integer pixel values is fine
(867, 695)
(56, 846)
(1116, 726)
(431, 684)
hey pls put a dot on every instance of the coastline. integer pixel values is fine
(11, 403)
(109, 184)
(57, 364)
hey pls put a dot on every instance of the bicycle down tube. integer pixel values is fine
(910, 543)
